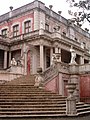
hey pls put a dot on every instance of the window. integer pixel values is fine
(15, 30)
(47, 27)
(4, 32)
(27, 26)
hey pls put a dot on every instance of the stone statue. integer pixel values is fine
(55, 58)
(38, 81)
(73, 56)
(13, 62)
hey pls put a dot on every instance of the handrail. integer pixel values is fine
(50, 72)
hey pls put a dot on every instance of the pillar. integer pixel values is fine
(61, 85)
(56, 49)
(41, 57)
(51, 53)
(59, 51)
(81, 60)
(75, 79)
(71, 101)
(5, 59)
(25, 63)
(9, 58)
(25, 59)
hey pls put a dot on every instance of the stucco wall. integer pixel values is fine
(85, 88)
(52, 85)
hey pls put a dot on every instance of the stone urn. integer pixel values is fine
(58, 55)
(39, 70)
(71, 88)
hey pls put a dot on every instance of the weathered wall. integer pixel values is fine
(85, 87)
(52, 85)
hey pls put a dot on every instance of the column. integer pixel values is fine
(25, 59)
(25, 63)
(51, 53)
(59, 51)
(75, 79)
(9, 58)
(41, 57)
(61, 84)
(56, 49)
(5, 59)
(81, 60)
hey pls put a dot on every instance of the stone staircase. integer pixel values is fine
(20, 98)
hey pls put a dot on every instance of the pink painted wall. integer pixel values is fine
(85, 88)
(20, 20)
(52, 85)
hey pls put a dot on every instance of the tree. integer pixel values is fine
(83, 11)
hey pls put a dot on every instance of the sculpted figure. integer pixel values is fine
(73, 56)
(13, 62)
(38, 80)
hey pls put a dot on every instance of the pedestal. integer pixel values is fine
(71, 101)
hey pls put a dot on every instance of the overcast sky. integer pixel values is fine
(58, 5)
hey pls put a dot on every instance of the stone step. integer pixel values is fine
(8, 102)
(33, 109)
(16, 86)
(83, 109)
(32, 106)
(82, 106)
(32, 96)
(28, 92)
(84, 112)
(48, 112)
(31, 116)
(30, 100)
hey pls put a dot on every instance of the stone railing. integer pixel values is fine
(84, 68)
(4, 39)
(24, 36)
(63, 67)
(50, 73)
(53, 71)
(80, 69)
(60, 37)
(7, 76)
(17, 38)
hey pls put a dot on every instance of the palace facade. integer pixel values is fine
(31, 35)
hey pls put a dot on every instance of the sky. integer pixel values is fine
(58, 5)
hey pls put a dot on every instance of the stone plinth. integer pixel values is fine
(16, 69)
(73, 68)
(71, 101)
